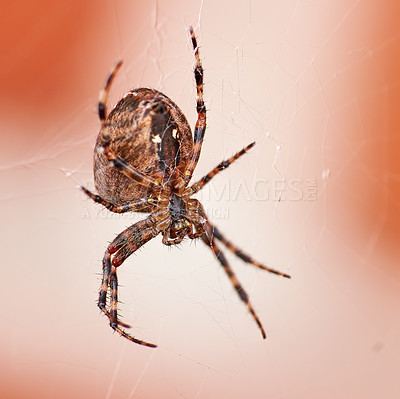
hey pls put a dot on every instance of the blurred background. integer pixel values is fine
(317, 86)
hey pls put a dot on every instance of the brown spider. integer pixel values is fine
(144, 159)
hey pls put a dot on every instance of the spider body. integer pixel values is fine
(149, 132)
(144, 159)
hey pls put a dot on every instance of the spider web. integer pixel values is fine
(316, 85)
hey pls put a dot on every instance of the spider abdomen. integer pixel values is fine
(149, 132)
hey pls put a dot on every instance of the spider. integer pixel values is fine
(144, 159)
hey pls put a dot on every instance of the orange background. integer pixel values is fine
(317, 85)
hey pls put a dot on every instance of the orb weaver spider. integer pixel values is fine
(144, 159)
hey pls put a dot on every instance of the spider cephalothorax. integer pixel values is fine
(144, 159)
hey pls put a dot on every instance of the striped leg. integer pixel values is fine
(122, 166)
(114, 312)
(105, 283)
(121, 248)
(118, 163)
(131, 207)
(200, 127)
(194, 188)
(208, 239)
(102, 106)
(240, 254)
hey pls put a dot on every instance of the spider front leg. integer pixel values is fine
(194, 188)
(105, 139)
(200, 128)
(240, 254)
(102, 105)
(122, 166)
(105, 283)
(121, 248)
(208, 239)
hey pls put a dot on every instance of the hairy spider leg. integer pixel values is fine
(110, 279)
(102, 106)
(123, 167)
(113, 313)
(137, 206)
(105, 283)
(208, 239)
(117, 162)
(124, 245)
(243, 256)
(200, 127)
(194, 188)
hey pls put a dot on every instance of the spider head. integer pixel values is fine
(179, 225)
(177, 208)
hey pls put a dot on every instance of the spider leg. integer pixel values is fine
(137, 206)
(194, 188)
(118, 163)
(121, 248)
(208, 239)
(240, 254)
(114, 310)
(105, 283)
(200, 127)
(122, 166)
(102, 106)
